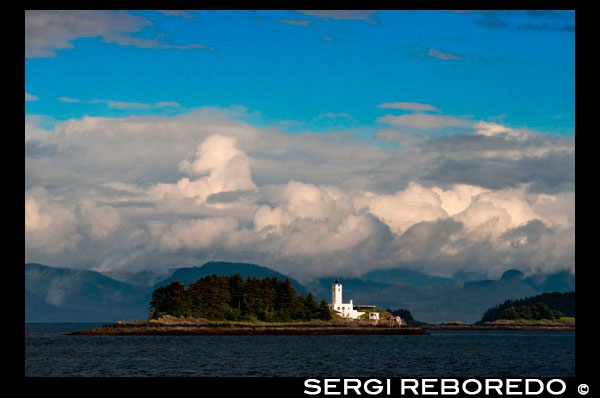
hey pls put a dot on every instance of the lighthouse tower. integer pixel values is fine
(345, 310)
(336, 293)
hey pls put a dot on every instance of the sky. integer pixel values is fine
(315, 142)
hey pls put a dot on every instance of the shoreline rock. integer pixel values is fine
(170, 325)
(207, 331)
(524, 327)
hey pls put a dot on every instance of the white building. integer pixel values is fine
(345, 310)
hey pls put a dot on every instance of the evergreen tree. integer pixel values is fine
(287, 304)
(232, 298)
(509, 313)
(158, 301)
(541, 311)
(524, 312)
(173, 300)
(324, 312)
(311, 307)
(562, 302)
(253, 298)
(236, 291)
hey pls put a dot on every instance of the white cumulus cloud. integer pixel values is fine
(158, 192)
(228, 169)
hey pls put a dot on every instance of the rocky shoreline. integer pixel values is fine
(172, 326)
(522, 327)
(235, 331)
(200, 327)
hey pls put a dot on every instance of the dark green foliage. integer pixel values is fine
(510, 313)
(209, 297)
(171, 299)
(324, 312)
(541, 311)
(543, 306)
(524, 312)
(537, 311)
(236, 289)
(310, 306)
(231, 298)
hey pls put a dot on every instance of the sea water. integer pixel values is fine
(500, 353)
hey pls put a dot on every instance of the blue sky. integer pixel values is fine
(317, 143)
(294, 67)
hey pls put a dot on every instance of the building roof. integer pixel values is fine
(363, 306)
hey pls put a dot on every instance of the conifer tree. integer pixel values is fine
(324, 313)
(232, 298)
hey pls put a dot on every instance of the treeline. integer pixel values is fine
(560, 302)
(231, 298)
(537, 311)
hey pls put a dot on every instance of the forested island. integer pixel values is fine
(553, 306)
(231, 298)
(546, 311)
(230, 305)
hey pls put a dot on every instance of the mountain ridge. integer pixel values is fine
(56, 294)
(60, 294)
(187, 275)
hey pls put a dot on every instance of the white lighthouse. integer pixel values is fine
(345, 310)
(336, 293)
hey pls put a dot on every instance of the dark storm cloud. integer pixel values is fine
(425, 239)
(497, 162)
(226, 197)
(550, 174)
(533, 230)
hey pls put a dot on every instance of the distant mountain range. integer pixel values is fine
(67, 295)
(191, 274)
(405, 276)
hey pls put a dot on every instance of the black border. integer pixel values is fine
(294, 386)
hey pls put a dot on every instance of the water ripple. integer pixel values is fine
(443, 353)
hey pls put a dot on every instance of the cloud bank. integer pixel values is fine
(156, 192)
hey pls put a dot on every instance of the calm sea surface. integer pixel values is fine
(443, 353)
